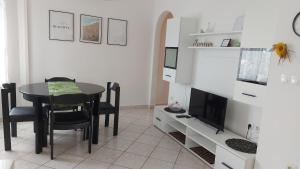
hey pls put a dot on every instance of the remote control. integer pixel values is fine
(183, 116)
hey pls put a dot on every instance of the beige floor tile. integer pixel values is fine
(22, 164)
(135, 128)
(157, 164)
(137, 137)
(106, 155)
(141, 149)
(81, 150)
(131, 160)
(11, 155)
(167, 143)
(44, 167)
(186, 167)
(153, 131)
(128, 135)
(117, 167)
(91, 164)
(118, 144)
(64, 162)
(39, 159)
(148, 140)
(189, 160)
(165, 154)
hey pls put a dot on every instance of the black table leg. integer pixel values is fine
(39, 126)
(96, 119)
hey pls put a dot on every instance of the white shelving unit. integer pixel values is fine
(217, 33)
(216, 38)
(177, 37)
(195, 134)
(215, 48)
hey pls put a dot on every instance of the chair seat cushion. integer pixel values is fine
(106, 108)
(68, 118)
(22, 114)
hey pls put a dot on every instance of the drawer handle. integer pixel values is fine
(226, 165)
(250, 95)
(168, 75)
(157, 118)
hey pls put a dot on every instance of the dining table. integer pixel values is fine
(38, 94)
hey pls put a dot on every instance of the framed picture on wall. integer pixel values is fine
(225, 43)
(90, 29)
(61, 26)
(117, 32)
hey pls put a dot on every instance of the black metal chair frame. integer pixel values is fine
(71, 99)
(114, 109)
(9, 90)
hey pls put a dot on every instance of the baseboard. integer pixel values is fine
(136, 107)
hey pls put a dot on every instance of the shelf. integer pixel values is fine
(218, 48)
(204, 154)
(216, 33)
(200, 140)
(178, 136)
(178, 126)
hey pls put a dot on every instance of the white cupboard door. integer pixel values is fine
(172, 34)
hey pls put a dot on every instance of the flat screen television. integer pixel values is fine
(208, 107)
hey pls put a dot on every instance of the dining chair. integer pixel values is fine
(61, 79)
(107, 108)
(12, 114)
(62, 120)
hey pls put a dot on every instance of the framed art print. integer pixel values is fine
(225, 43)
(117, 32)
(61, 25)
(90, 29)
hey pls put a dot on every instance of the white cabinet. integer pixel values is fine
(227, 160)
(199, 134)
(177, 36)
(173, 31)
(249, 93)
(169, 75)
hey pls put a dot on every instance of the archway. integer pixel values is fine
(160, 88)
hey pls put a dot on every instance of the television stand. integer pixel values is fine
(202, 140)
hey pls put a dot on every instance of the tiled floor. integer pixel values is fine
(138, 145)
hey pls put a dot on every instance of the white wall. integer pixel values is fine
(214, 71)
(12, 40)
(91, 62)
(12, 43)
(280, 137)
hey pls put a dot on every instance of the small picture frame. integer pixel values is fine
(90, 29)
(117, 32)
(225, 43)
(61, 26)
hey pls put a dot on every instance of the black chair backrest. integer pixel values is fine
(10, 89)
(69, 99)
(116, 88)
(59, 79)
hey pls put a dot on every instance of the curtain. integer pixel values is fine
(3, 45)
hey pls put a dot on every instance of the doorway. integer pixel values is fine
(160, 88)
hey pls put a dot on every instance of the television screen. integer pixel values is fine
(208, 107)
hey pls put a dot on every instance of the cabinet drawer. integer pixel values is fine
(227, 160)
(169, 75)
(158, 118)
(249, 93)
